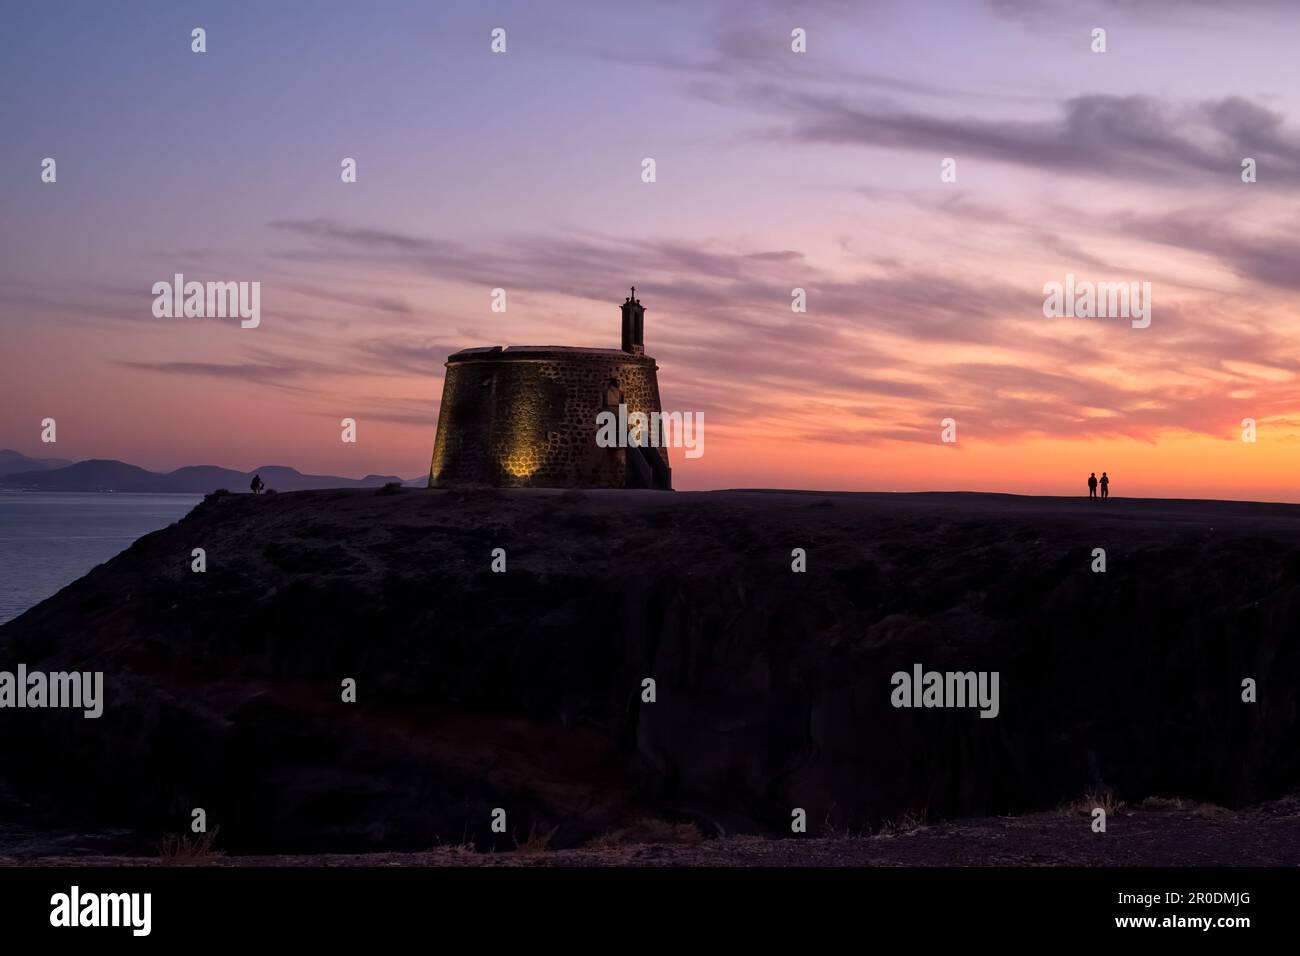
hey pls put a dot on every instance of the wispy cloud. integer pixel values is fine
(875, 358)
(1138, 138)
(275, 375)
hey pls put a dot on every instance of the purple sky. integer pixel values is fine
(775, 170)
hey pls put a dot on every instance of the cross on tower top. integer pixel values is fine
(633, 293)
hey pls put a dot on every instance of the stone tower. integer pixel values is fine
(633, 325)
(524, 416)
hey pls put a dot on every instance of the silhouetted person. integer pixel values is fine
(1092, 485)
(257, 484)
(1105, 485)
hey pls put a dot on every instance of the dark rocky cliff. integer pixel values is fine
(522, 690)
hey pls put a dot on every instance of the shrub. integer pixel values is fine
(186, 848)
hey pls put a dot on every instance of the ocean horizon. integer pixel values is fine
(50, 539)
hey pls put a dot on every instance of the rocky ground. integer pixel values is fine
(1157, 833)
(523, 690)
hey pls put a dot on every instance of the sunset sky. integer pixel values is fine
(775, 170)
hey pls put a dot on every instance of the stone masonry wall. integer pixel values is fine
(527, 418)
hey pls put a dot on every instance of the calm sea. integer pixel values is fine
(49, 540)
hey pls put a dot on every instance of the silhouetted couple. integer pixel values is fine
(257, 484)
(1092, 485)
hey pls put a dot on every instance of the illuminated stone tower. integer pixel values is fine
(524, 416)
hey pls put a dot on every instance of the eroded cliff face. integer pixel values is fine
(524, 689)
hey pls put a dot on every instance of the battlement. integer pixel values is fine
(536, 352)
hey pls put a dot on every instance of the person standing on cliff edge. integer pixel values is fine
(1105, 486)
(1092, 485)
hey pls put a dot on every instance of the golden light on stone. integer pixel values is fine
(435, 468)
(521, 460)
(526, 415)
(523, 453)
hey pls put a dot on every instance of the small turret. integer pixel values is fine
(633, 325)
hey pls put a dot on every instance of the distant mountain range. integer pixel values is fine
(11, 461)
(17, 471)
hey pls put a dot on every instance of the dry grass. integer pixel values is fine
(909, 821)
(1166, 803)
(833, 831)
(1181, 803)
(538, 841)
(188, 849)
(649, 830)
(1102, 797)
(457, 851)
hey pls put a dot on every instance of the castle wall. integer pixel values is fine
(526, 417)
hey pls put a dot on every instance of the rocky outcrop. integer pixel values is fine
(524, 690)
